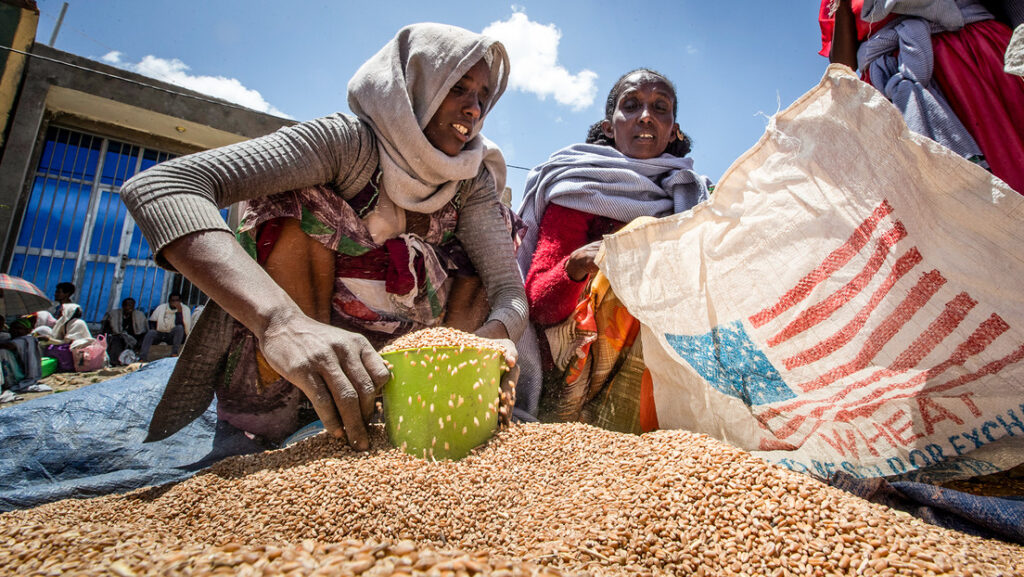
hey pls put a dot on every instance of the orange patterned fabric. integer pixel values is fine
(605, 382)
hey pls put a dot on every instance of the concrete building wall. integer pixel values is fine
(18, 22)
(59, 87)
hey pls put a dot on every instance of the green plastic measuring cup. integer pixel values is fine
(442, 402)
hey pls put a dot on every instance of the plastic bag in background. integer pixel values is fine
(90, 355)
(127, 357)
(62, 353)
(848, 300)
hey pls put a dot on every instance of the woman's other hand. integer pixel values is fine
(496, 331)
(339, 372)
(583, 262)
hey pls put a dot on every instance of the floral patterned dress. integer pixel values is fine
(381, 290)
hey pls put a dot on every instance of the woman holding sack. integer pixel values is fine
(633, 165)
(941, 62)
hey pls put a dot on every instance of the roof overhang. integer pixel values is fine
(140, 120)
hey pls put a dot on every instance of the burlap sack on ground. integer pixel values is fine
(850, 299)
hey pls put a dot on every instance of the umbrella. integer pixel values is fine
(20, 297)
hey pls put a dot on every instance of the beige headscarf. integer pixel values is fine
(397, 92)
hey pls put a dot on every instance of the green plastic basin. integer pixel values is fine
(442, 402)
(49, 366)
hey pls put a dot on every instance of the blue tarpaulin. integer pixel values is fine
(988, 517)
(88, 442)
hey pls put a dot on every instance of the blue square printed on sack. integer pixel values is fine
(731, 363)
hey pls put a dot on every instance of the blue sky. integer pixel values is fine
(733, 62)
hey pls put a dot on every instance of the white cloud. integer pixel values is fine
(691, 49)
(533, 51)
(176, 72)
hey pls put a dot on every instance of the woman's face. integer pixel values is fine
(643, 123)
(456, 119)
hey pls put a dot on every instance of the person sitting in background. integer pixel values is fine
(70, 332)
(70, 327)
(941, 63)
(125, 328)
(633, 165)
(173, 322)
(62, 296)
(20, 361)
(44, 319)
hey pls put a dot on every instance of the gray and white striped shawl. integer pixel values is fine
(601, 180)
(944, 13)
(906, 79)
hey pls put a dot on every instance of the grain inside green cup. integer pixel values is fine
(442, 402)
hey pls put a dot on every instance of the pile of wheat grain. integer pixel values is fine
(440, 337)
(537, 498)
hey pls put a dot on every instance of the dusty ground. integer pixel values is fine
(61, 382)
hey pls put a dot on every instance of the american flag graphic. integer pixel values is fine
(870, 349)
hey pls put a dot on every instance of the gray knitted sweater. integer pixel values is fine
(183, 196)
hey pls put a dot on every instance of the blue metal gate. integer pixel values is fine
(77, 229)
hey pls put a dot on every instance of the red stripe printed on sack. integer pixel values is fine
(823, 310)
(833, 262)
(861, 351)
(980, 339)
(989, 369)
(950, 318)
(921, 395)
(903, 265)
(918, 296)
(986, 333)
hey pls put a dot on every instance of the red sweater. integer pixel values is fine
(551, 293)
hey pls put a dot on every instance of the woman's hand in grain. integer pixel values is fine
(496, 331)
(339, 372)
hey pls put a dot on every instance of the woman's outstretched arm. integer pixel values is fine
(844, 36)
(482, 232)
(176, 205)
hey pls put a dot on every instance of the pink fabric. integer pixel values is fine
(989, 102)
(399, 279)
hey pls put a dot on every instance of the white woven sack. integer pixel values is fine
(850, 299)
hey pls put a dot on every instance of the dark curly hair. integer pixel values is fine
(679, 147)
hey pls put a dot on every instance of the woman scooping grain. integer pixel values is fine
(348, 239)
